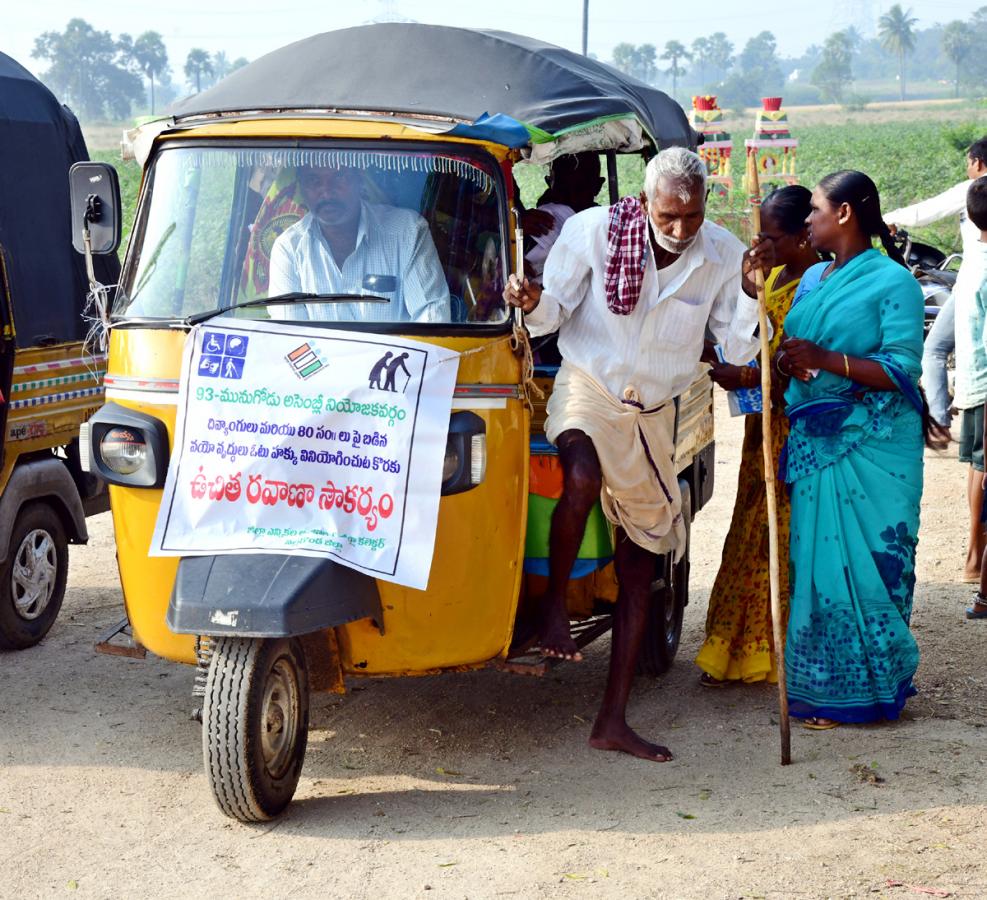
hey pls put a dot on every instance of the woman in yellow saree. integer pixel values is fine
(738, 645)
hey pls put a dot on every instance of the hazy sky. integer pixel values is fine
(251, 28)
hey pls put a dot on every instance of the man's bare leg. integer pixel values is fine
(635, 572)
(975, 545)
(580, 490)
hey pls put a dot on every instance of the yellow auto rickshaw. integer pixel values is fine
(432, 120)
(50, 381)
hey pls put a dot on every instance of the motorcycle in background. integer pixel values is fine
(934, 271)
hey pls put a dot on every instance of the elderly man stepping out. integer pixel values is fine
(631, 289)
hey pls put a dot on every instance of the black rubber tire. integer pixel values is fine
(242, 673)
(17, 632)
(668, 603)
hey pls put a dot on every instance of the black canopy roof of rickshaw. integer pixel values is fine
(39, 140)
(457, 73)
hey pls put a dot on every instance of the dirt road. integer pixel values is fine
(481, 785)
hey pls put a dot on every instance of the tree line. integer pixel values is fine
(101, 76)
(824, 73)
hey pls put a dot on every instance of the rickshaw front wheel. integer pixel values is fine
(255, 725)
(32, 580)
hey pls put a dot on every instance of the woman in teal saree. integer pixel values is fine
(853, 463)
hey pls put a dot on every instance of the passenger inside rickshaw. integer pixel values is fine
(426, 237)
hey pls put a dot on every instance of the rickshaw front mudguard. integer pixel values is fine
(268, 595)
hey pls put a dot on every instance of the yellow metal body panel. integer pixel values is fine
(146, 580)
(53, 391)
(466, 616)
(467, 613)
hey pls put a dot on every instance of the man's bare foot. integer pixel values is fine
(556, 640)
(622, 738)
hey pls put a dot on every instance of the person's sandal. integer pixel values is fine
(707, 680)
(979, 608)
(814, 723)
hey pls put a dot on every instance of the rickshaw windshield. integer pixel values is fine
(418, 232)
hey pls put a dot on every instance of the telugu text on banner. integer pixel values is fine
(305, 440)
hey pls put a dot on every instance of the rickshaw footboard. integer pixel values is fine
(128, 647)
(532, 662)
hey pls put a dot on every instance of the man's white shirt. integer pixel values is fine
(948, 203)
(537, 255)
(970, 334)
(390, 241)
(656, 348)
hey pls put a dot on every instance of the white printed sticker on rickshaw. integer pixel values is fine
(301, 440)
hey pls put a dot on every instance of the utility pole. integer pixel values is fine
(585, 25)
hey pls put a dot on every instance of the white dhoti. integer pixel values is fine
(636, 449)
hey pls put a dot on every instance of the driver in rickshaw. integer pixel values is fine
(342, 240)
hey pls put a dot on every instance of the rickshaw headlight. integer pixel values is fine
(123, 450)
(465, 463)
(125, 447)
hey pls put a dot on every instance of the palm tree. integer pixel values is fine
(152, 57)
(720, 53)
(702, 49)
(957, 42)
(896, 29)
(674, 51)
(197, 64)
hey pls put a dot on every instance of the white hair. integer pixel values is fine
(680, 167)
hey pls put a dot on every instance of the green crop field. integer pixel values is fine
(909, 160)
(130, 182)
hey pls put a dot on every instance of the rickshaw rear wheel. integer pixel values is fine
(255, 725)
(32, 580)
(669, 598)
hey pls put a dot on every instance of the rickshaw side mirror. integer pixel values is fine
(94, 190)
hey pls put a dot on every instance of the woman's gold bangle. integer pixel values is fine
(846, 366)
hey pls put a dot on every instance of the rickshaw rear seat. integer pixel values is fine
(544, 490)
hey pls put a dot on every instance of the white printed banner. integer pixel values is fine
(295, 439)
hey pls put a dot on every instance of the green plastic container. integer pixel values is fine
(597, 541)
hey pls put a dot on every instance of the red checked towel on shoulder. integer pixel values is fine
(626, 248)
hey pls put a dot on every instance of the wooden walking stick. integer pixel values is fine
(777, 625)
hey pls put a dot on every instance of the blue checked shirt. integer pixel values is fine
(390, 241)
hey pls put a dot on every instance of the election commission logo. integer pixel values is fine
(305, 361)
(223, 355)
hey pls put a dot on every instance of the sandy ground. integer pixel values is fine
(481, 785)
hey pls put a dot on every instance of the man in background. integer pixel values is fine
(959, 326)
(573, 183)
